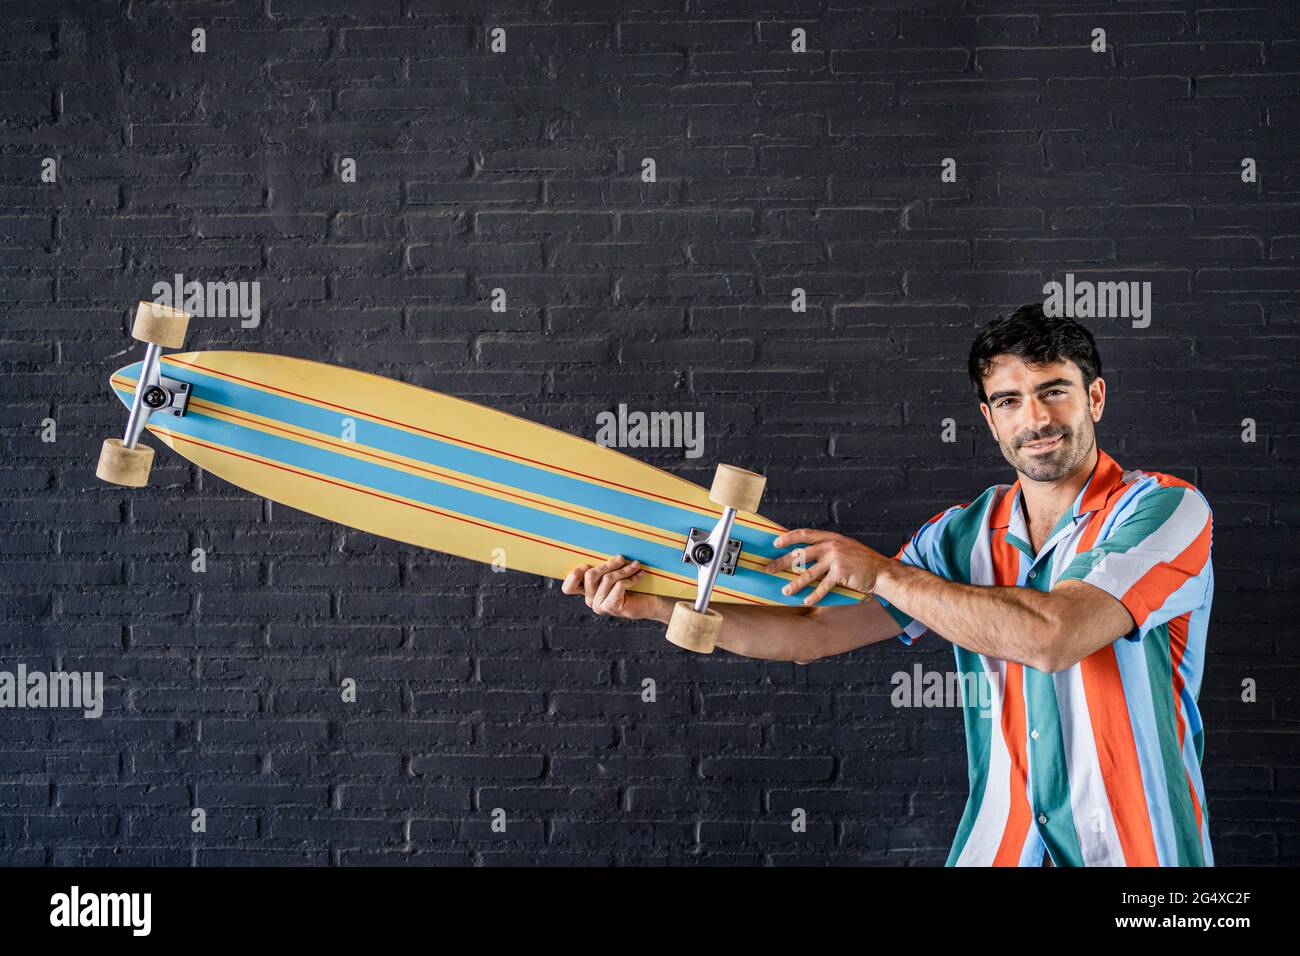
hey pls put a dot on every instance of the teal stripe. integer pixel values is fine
(953, 553)
(1160, 673)
(1049, 773)
(979, 750)
(474, 504)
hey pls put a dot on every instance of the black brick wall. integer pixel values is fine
(776, 170)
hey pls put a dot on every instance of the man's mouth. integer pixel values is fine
(1041, 447)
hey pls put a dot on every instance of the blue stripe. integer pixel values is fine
(469, 503)
(454, 457)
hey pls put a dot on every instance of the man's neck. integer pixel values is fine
(1045, 501)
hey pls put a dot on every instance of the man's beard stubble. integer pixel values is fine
(1055, 465)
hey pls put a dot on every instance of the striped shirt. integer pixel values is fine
(1099, 764)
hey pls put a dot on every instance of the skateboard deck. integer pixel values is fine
(443, 473)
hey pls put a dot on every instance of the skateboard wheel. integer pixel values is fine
(737, 488)
(160, 325)
(692, 630)
(120, 465)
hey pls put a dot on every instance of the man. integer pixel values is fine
(1080, 595)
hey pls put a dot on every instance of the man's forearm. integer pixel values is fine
(1010, 623)
(768, 633)
(799, 634)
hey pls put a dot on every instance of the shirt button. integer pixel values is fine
(1034, 734)
(1042, 819)
(1032, 573)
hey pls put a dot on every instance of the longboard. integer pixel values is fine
(450, 475)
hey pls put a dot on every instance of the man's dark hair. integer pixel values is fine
(1036, 339)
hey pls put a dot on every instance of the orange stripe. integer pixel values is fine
(1006, 571)
(1117, 756)
(1019, 814)
(420, 507)
(488, 448)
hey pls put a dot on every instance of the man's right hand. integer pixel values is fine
(606, 589)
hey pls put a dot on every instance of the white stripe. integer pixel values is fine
(1118, 571)
(1066, 552)
(991, 821)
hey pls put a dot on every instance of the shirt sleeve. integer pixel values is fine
(922, 551)
(1156, 560)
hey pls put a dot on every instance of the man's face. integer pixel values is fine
(1040, 416)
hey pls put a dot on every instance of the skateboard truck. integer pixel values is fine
(123, 461)
(700, 546)
(695, 627)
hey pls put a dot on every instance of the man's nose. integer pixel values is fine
(1037, 416)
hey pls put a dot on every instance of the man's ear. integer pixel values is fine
(984, 410)
(1097, 398)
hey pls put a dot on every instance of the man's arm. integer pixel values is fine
(799, 634)
(1047, 630)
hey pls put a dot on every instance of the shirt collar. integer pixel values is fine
(1105, 478)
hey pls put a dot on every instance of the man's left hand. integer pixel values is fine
(835, 560)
